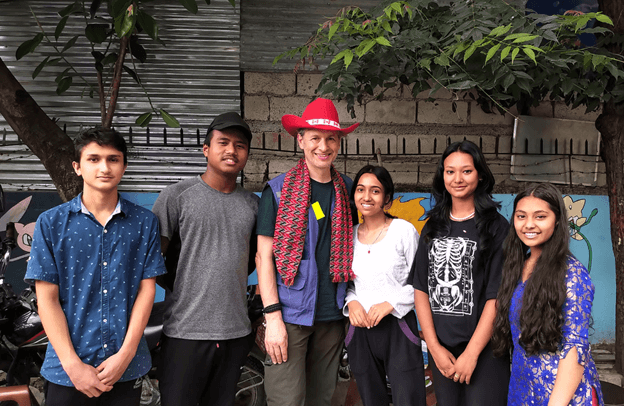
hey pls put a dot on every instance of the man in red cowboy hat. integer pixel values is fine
(305, 250)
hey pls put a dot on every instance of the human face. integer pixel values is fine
(460, 176)
(320, 148)
(227, 153)
(101, 167)
(369, 196)
(534, 222)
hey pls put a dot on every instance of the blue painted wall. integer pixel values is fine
(591, 244)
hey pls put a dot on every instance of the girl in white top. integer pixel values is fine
(383, 336)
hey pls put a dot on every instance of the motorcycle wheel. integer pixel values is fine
(251, 384)
(150, 393)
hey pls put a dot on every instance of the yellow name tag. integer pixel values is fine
(318, 212)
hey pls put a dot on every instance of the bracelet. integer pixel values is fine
(272, 308)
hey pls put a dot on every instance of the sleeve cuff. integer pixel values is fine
(582, 351)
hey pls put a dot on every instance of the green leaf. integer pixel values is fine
(169, 119)
(525, 39)
(460, 48)
(598, 60)
(128, 24)
(110, 59)
(28, 46)
(133, 74)
(148, 24)
(529, 52)
(492, 52)
(364, 47)
(505, 52)
(61, 75)
(40, 67)
(514, 53)
(339, 56)
(190, 5)
(442, 59)
(508, 81)
(63, 85)
(466, 84)
(95, 5)
(469, 52)
(348, 58)
(613, 70)
(96, 33)
(332, 30)
(383, 41)
(498, 31)
(70, 43)
(70, 9)
(207, 2)
(604, 19)
(144, 119)
(137, 50)
(59, 27)
(550, 36)
(232, 2)
(386, 26)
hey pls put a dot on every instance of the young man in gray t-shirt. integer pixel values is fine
(207, 333)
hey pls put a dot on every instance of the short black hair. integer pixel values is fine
(102, 137)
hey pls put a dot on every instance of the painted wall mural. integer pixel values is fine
(589, 232)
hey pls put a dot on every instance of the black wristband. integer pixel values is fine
(272, 308)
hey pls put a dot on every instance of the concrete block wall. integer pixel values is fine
(409, 132)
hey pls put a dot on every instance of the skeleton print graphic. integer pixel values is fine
(450, 276)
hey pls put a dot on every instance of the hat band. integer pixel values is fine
(324, 121)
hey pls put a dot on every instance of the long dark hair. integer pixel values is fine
(545, 291)
(383, 176)
(485, 206)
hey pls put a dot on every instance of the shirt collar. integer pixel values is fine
(76, 205)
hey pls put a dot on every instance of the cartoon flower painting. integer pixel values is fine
(574, 211)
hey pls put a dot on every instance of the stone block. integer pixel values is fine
(391, 111)
(427, 144)
(441, 112)
(500, 168)
(278, 106)
(281, 141)
(345, 116)
(426, 173)
(544, 109)
(602, 175)
(256, 108)
(404, 173)
(504, 145)
(257, 140)
(563, 111)
(307, 83)
(363, 144)
(281, 84)
(478, 116)
(279, 165)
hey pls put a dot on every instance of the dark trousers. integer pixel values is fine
(123, 394)
(386, 350)
(488, 386)
(203, 372)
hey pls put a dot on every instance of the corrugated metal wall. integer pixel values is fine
(195, 76)
(270, 27)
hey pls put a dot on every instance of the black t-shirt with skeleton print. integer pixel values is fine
(457, 281)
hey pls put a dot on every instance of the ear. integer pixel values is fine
(205, 150)
(76, 166)
(300, 140)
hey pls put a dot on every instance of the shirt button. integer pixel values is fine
(105, 263)
(105, 345)
(104, 320)
(105, 231)
(105, 291)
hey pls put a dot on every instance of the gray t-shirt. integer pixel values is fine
(208, 301)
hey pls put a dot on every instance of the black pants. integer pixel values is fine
(386, 350)
(488, 386)
(201, 372)
(123, 394)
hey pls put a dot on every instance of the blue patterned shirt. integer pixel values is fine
(533, 376)
(98, 270)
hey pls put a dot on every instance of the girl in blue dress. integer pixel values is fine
(544, 307)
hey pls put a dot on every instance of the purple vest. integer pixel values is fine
(299, 300)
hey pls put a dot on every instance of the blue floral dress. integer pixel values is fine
(533, 376)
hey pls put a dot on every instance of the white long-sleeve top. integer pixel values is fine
(381, 275)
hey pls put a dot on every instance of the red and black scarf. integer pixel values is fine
(291, 226)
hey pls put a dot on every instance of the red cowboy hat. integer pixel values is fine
(320, 114)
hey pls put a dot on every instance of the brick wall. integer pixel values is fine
(409, 132)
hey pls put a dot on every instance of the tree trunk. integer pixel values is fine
(44, 138)
(611, 126)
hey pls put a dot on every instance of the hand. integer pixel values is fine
(113, 368)
(276, 339)
(444, 360)
(464, 367)
(357, 315)
(378, 312)
(84, 377)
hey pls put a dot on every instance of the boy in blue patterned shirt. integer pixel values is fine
(94, 261)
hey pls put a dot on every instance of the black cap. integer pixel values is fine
(227, 120)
